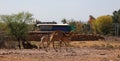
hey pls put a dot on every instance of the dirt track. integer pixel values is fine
(76, 54)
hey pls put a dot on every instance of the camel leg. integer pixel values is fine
(54, 47)
(60, 45)
(41, 44)
(48, 43)
(66, 45)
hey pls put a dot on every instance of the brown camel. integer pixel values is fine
(59, 36)
(44, 39)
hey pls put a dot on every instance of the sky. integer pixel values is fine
(56, 10)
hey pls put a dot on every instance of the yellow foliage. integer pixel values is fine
(102, 24)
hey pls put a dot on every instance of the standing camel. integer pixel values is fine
(59, 36)
(44, 39)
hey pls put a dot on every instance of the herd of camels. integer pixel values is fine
(60, 36)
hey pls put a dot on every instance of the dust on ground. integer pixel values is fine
(73, 54)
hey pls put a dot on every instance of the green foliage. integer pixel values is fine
(116, 20)
(77, 25)
(17, 24)
(2, 26)
(86, 29)
(116, 16)
(64, 21)
(103, 24)
(94, 27)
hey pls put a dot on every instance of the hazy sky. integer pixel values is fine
(56, 10)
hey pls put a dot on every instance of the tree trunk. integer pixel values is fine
(23, 41)
(19, 43)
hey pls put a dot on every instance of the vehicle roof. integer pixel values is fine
(52, 25)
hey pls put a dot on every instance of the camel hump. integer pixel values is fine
(60, 32)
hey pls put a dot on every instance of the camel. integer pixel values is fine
(44, 39)
(66, 40)
(59, 36)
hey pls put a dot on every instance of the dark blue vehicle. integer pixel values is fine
(53, 27)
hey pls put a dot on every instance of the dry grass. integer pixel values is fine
(92, 44)
(84, 53)
(100, 44)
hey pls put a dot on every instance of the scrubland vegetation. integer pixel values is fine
(14, 32)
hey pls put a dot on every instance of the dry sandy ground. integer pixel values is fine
(81, 51)
(74, 54)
